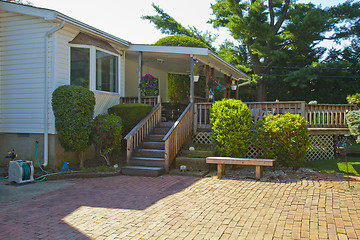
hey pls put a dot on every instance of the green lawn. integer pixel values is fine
(335, 165)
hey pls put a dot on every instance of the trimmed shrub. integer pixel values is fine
(284, 138)
(73, 108)
(354, 99)
(130, 114)
(181, 40)
(107, 135)
(353, 121)
(230, 123)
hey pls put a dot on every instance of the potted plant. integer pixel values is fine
(149, 85)
(233, 85)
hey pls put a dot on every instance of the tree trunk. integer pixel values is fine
(82, 159)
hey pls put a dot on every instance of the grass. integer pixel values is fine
(335, 165)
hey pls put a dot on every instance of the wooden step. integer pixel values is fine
(142, 152)
(155, 137)
(166, 124)
(142, 171)
(161, 130)
(147, 161)
(197, 153)
(153, 145)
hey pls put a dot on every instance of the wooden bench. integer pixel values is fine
(222, 161)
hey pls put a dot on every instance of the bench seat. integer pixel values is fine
(222, 161)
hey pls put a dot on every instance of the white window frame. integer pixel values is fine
(92, 74)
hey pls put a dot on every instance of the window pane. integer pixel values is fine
(80, 66)
(106, 72)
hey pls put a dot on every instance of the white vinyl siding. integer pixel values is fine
(22, 50)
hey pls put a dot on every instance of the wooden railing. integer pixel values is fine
(152, 100)
(178, 134)
(260, 109)
(327, 115)
(142, 129)
(317, 115)
(202, 116)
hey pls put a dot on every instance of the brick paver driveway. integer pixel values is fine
(179, 207)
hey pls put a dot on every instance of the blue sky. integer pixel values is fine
(122, 18)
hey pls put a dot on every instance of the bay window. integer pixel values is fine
(94, 68)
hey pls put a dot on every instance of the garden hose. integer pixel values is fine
(37, 159)
(26, 171)
(4, 178)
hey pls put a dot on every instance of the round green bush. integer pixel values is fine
(73, 108)
(107, 135)
(284, 138)
(353, 121)
(181, 40)
(230, 124)
(354, 99)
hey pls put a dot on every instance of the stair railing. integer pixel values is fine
(178, 134)
(142, 129)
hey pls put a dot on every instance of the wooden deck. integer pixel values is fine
(321, 118)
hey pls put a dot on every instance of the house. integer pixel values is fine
(42, 49)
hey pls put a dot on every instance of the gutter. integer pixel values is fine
(46, 92)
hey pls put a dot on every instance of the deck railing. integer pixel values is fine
(178, 134)
(317, 115)
(152, 100)
(327, 115)
(142, 129)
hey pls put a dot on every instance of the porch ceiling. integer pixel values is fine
(177, 59)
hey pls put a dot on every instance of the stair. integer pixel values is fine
(149, 158)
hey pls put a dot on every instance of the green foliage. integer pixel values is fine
(284, 138)
(178, 88)
(354, 99)
(335, 165)
(73, 108)
(107, 135)
(230, 123)
(180, 40)
(131, 114)
(353, 121)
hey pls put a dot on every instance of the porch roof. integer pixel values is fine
(175, 59)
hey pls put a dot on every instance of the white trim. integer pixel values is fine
(168, 49)
(109, 93)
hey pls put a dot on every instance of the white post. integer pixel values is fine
(140, 75)
(192, 78)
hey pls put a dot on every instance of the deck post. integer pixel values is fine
(207, 78)
(139, 76)
(191, 78)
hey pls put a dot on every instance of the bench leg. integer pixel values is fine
(259, 172)
(220, 170)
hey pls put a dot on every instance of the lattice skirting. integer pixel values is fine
(322, 146)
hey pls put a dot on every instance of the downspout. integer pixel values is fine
(46, 92)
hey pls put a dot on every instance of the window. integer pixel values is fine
(94, 69)
(106, 72)
(80, 66)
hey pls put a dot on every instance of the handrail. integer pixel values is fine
(178, 134)
(317, 115)
(142, 129)
(152, 100)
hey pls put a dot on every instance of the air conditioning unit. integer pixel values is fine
(21, 171)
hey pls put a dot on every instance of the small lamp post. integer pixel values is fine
(211, 95)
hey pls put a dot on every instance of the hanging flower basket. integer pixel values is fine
(196, 78)
(149, 85)
(217, 85)
(233, 87)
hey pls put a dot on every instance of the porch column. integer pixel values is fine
(212, 87)
(207, 78)
(226, 86)
(140, 75)
(191, 78)
(237, 90)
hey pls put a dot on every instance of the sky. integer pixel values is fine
(122, 18)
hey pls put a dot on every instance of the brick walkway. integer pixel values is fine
(177, 207)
